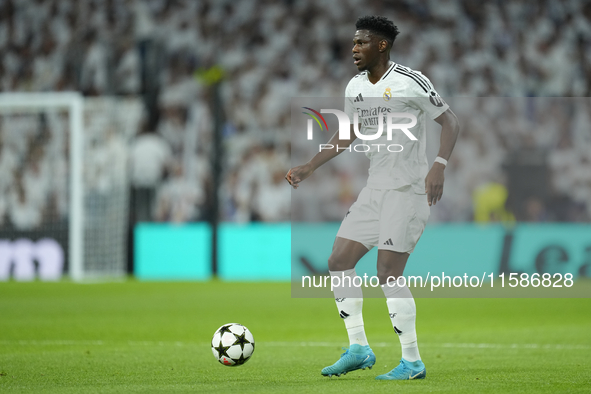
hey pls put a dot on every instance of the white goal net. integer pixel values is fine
(64, 185)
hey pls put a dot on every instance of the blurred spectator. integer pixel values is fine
(128, 71)
(93, 76)
(272, 201)
(178, 199)
(490, 204)
(25, 213)
(173, 127)
(535, 210)
(150, 157)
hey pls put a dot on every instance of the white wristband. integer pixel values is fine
(441, 160)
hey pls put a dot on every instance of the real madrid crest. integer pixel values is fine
(387, 94)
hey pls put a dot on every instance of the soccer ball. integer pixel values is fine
(232, 344)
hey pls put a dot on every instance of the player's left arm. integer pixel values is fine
(450, 128)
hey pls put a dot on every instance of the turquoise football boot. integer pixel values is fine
(356, 357)
(406, 371)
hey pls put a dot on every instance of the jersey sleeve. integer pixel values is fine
(423, 96)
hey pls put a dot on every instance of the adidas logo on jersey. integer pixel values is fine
(358, 98)
(389, 242)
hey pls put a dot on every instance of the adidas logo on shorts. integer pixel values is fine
(389, 242)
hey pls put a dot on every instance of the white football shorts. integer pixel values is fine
(391, 219)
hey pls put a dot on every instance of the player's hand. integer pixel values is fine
(434, 183)
(298, 174)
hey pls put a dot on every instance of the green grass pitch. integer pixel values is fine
(154, 337)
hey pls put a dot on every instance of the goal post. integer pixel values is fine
(91, 136)
(74, 103)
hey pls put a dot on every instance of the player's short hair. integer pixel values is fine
(380, 26)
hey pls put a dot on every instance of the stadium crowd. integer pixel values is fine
(271, 51)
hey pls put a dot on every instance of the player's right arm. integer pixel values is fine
(299, 173)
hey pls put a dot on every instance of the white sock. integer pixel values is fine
(403, 313)
(349, 300)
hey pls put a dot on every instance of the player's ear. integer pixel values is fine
(383, 45)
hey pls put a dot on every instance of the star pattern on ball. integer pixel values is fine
(224, 329)
(241, 360)
(241, 340)
(222, 350)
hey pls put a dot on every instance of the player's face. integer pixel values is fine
(365, 50)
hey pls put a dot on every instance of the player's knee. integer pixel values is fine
(333, 263)
(338, 262)
(383, 278)
(387, 275)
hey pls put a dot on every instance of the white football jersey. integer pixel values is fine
(398, 161)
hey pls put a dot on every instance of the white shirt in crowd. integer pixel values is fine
(149, 155)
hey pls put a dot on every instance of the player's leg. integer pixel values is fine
(349, 300)
(359, 231)
(401, 230)
(401, 304)
(403, 312)
(391, 265)
(347, 290)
